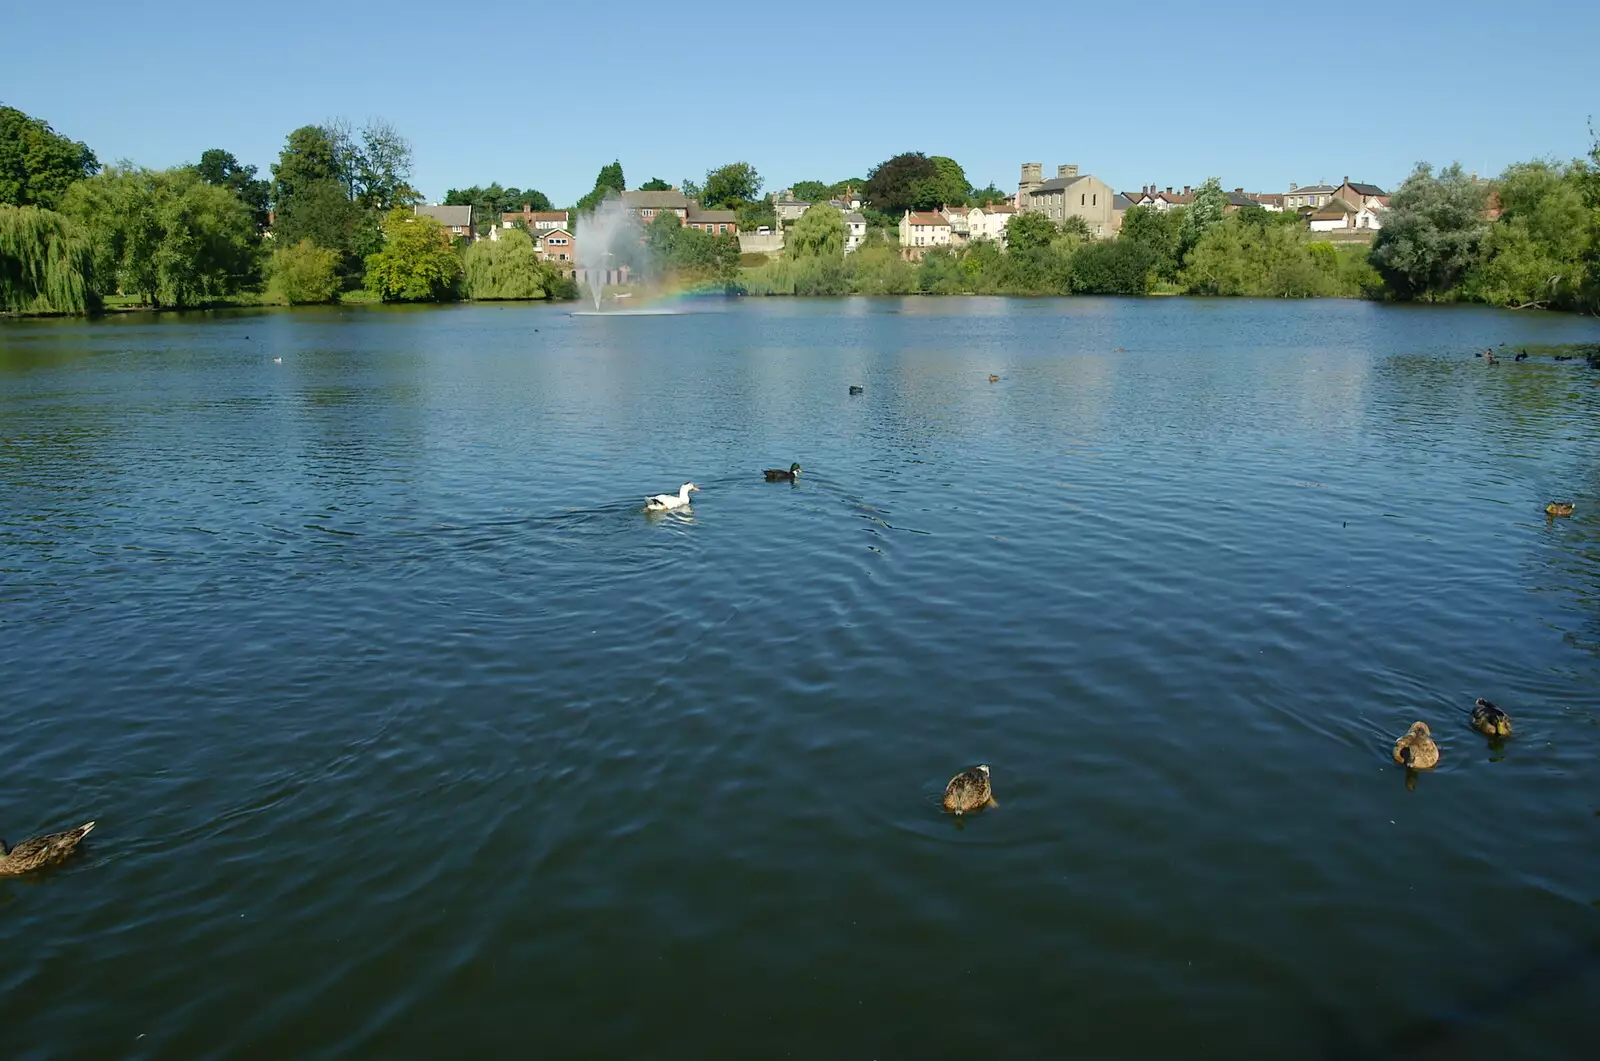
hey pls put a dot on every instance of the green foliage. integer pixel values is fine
(803, 276)
(219, 168)
(940, 273)
(1157, 231)
(990, 195)
(416, 264)
(1121, 267)
(307, 158)
(1534, 254)
(608, 181)
(45, 264)
(37, 164)
(811, 191)
(1030, 230)
(377, 167)
(507, 268)
(819, 233)
(1431, 234)
(947, 187)
(322, 212)
(1206, 210)
(1238, 257)
(730, 186)
(490, 202)
(1073, 225)
(654, 184)
(690, 254)
(167, 236)
(902, 183)
(753, 215)
(304, 273)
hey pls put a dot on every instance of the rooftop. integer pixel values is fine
(656, 200)
(448, 216)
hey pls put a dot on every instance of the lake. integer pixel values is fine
(408, 733)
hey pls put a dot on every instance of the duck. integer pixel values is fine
(1560, 508)
(993, 378)
(856, 388)
(1563, 357)
(1490, 720)
(1416, 749)
(664, 502)
(778, 475)
(1490, 358)
(1522, 355)
(40, 851)
(969, 790)
(277, 361)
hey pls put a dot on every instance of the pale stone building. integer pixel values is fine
(1069, 194)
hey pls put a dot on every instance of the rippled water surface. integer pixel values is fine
(410, 734)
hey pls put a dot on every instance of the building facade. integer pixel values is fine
(1069, 194)
(457, 220)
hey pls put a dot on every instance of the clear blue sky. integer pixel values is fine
(543, 95)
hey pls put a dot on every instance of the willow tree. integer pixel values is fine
(45, 265)
(506, 268)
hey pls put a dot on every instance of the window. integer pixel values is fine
(722, 228)
(1083, 200)
(1096, 198)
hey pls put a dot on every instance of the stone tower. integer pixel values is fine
(1032, 177)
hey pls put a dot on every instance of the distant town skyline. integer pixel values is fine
(1153, 94)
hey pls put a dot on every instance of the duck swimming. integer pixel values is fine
(1522, 355)
(40, 851)
(1416, 749)
(969, 790)
(1490, 720)
(1560, 508)
(993, 378)
(663, 502)
(778, 475)
(856, 389)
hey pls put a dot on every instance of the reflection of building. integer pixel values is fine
(457, 220)
(1069, 194)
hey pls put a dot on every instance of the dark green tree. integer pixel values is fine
(811, 191)
(322, 212)
(37, 164)
(947, 187)
(1120, 267)
(220, 169)
(1156, 230)
(307, 158)
(731, 186)
(609, 181)
(655, 184)
(901, 183)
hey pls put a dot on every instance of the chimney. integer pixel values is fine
(1293, 186)
(1240, 190)
(1032, 172)
(1068, 170)
(1346, 179)
(1185, 189)
(1169, 189)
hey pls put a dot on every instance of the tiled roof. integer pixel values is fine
(702, 216)
(1367, 189)
(855, 219)
(1333, 209)
(1317, 188)
(929, 219)
(656, 200)
(448, 216)
(1056, 184)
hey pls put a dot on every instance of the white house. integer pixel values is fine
(989, 222)
(1341, 216)
(855, 231)
(923, 230)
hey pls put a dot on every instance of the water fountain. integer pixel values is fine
(608, 240)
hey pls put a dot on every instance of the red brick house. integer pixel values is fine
(714, 222)
(557, 245)
(536, 220)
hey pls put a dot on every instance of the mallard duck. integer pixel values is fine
(856, 388)
(1560, 508)
(969, 790)
(1522, 355)
(993, 378)
(40, 851)
(1563, 357)
(778, 475)
(1416, 749)
(663, 502)
(1490, 720)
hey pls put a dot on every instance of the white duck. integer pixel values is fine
(666, 502)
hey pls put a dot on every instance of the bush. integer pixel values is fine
(1119, 268)
(304, 274)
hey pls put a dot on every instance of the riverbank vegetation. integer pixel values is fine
(333, 221)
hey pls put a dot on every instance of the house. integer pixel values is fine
(855, 231)
(535, 220)
(457, 220)
(556, 245)
(1157, 199)
(789, 209)
(919, 231)
(714, 222)
(1310, 197)
(1361, 194)
(957, 217)
(1068, 194)
(1267, 201)
(1120, 205)
(1340, 215)
(989, 222)
(647, 205)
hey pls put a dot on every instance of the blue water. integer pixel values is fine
(410, 734)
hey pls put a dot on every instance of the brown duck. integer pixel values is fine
(969, 790)
(40, 851)
(1490, 720)
(1560, 508)
(1416, 749)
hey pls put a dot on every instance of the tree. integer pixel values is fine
(1073, 225)
(220, 169)
(1156, 230)
(819, 233)
(947, 187)
(811, 191)
(1432, 232)
(689, 188)
(45, 264)
(416, 264)
(379, 172)
(1030, 230)
(165, 235)
(1533, 254)
(37, 164)
(1207, 208)
(730, 186)
(307, 158)
(655, 184)
(304, 273)
(989, 196)
(323, 213)
(507, 268)
(901, 183)
(490, 202)
(608, 181)
(1112, 268)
